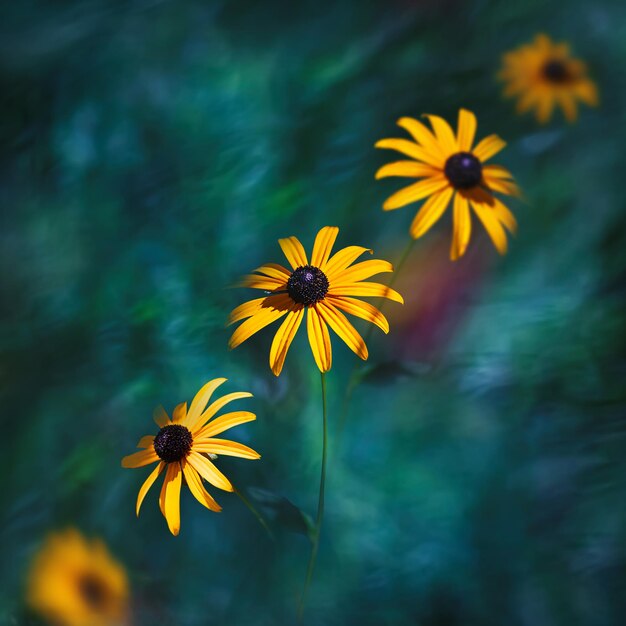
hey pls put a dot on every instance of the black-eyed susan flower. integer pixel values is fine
(74, 581)
(324, 287)
(451, 171)
(185, 446)
(542, 75)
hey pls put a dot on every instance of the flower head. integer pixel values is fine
(185, 447)
(542, 75)
(74, 581)
(451, 170)
(323, 287)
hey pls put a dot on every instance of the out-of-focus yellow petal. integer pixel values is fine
(194, 482)
(361, 309)
(344, 329)
(444, 134)
(209, 472)
(507, 187)
(172, 484)
(179, 413)
(225, 447)
(430, 212)
(416, 192)
(488, 147)
(139, 459)
(366, 289)
(147, 484)
(466, 130)
(294, 251)
(488, 217)
(323, 245)
(319, 339)
(254, 281)
(274, 270)
(496, 171)
(160, 417)
(406, 169)
(568, 104)
(224, 422)
(146, 442)
(283, 338)
(505, 216)
(462, 227)
(200, 401)
(411, 149)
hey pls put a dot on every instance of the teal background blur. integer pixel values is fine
(151, 152)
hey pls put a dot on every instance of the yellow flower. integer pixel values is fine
(185, 446)
(75, 582)
(323, 287)
(542, 74)
(451, 170)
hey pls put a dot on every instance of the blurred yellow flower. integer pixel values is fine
(323, 287)
(74, 581)
(451, 171)
(543, 74)
(185, 447)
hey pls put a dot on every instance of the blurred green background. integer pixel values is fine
(151, 152)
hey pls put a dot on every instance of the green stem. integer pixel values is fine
(255, 512)
(315, 539)
(353, 381)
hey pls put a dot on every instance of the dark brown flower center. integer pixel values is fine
(93, 590)
(173, 443)
(556, 71)
(307, 285)
(463, 170)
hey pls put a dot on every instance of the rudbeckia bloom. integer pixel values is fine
(323, 287)
(451, 171)
(185, 447)
(74, 581)
(543, 74)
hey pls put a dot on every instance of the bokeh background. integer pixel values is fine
(153, 151)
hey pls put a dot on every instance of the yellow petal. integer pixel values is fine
(274, 270)
(248, 309)
(506, 187)
(344, 329)
(416, 192)
(225, 447)
(568, 104)
(283, 338)
(407, 169)
(319, 339)
(293, 250)
(444, 134)
(430, 212)
(361, 309)
(505, 216)
(462, 227)
(254, 281)
(341, 259)
(139, 459)
(147, 484)
(179, 413)
(323, 245)
(174, 479)
(496, 171)
(146, 442)
(587, 92)
(361, 271)
(219, 404)
(161, 417)
(466, 130)
(423, 136)
(200, 401)
(411, 149)
(545, 106)
(367, 289)
(488, 147)
(209, 472)
(488, 217)
(194, 482)
(224, 422)
(255, 323)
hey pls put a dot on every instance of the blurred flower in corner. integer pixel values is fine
(74, 581)
(542, 75)
(451, 171)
